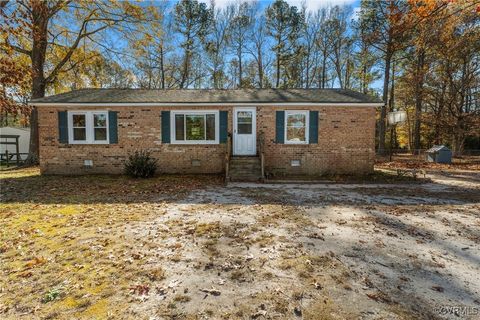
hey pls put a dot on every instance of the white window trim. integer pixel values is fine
(307, 126)
(89, 128)
(194, 112)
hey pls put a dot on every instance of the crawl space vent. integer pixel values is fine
(88, 163)
(295, 163)
(196, 163)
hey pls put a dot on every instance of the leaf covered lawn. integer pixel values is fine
(62, 248)
(185, 247)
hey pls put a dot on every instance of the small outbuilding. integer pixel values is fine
(439, 154)
(8, 142)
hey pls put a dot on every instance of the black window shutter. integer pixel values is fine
(280, 127)
(313, 130)
(113, 127)
(223, 126)
(62, 126)
(165, 126)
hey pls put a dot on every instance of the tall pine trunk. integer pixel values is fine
(324, 67)
(364, 79)
(162, 67)
(240, 70)
(307, 68)
(383, 110)
(418, 99)
(278, 69)
(186, 63)
(260, 68)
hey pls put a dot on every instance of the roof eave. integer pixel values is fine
(203, 104)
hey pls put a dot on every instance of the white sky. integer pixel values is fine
(312, 5)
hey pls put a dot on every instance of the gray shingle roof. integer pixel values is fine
(437, 148)
(187, 96)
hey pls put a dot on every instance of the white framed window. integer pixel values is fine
(88, 127)
(296, 126)
(195, 127)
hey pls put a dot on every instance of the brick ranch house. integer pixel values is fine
(246, 133)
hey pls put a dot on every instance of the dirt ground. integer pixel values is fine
(192, 248)
(409, 161)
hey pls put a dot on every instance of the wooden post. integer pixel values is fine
(17, 150)
(227, 159)
(391, 141)
(262, 154)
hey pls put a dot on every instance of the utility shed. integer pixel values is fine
(23, 141)
(439, 154)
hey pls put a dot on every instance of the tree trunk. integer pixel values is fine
(364, 79)
(418, 100)
(324, 66)
(409, 128)
(391, 108)
(260, 68)
(39, 84)
(278, 70)
(162, 68)
(458, 141)
(347, 75)
(338, 68)
(185, 72)
(186, 63)
(307, 68)
(240, 71)
(383, 110)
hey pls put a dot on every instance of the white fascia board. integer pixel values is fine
(211, 104)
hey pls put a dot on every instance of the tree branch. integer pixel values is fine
(19, 49)
(57, 7)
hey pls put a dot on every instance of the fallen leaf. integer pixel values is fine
(35, 262)
(438, 288)
(213, 292)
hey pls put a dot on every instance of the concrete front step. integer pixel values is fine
(245, 169)
(244, 161)
(245, 179)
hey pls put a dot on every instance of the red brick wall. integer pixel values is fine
(345, 144)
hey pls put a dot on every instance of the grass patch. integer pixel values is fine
(305, 266)
(320, 309)
(182, 298)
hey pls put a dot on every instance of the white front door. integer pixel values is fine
(244, 131)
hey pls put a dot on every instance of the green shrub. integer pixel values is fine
(140, 165)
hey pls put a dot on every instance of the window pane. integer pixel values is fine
(295, 134)
(195, 127)
(296, 120)
(179, 126)
(100, 133)
(79, 134)
(100, 120)
(210, 127)
(296, 124)
(244, 122)
(79, 120)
